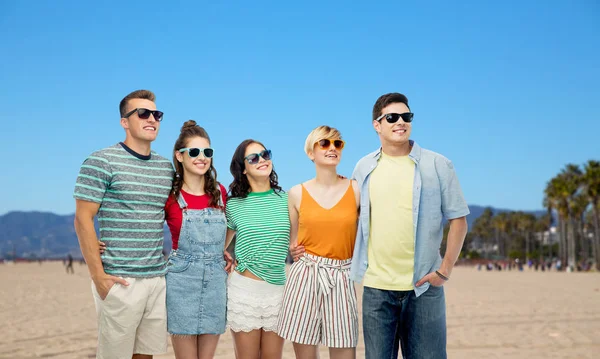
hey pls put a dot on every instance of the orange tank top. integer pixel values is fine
(328, 233)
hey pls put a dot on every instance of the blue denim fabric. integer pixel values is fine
(393, 319)
(196, 276)
(436, 194)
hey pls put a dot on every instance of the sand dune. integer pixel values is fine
(47, 313)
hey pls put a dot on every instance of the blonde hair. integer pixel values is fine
(320, 133)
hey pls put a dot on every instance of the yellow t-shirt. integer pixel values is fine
(391, 240)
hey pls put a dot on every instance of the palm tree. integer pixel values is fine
(525, 223)
(591, 182)
(482, 227)
(590, 232)
(500, 223)
(579, 206)
(570, 180)
(542, 225)
(554, 201)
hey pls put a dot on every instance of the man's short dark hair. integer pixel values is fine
(388, 99)
(143, 94)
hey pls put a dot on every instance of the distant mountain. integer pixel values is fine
(36, 233)
(48, 235)
(476, 211)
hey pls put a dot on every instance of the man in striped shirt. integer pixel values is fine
(126, 186)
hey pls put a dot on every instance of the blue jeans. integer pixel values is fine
(393, 319)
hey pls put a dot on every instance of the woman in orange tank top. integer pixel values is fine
(319, 303)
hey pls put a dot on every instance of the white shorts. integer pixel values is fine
(252, 304)
(132, 319)
(319, 304)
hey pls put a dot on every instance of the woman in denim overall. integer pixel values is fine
(197, 276)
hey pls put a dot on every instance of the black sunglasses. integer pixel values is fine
(394, 117)
(326, 143)
(144, 114)
(253, 158)
(195, 152)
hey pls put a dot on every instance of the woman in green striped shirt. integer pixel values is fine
(257, 215)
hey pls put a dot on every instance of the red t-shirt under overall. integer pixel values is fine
(174, 214)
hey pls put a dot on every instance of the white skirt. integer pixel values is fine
(252, 304)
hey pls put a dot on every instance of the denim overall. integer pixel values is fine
(196, 277)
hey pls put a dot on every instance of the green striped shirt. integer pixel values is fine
(132, 191)
(262, 226)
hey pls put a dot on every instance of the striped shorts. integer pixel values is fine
(319, 304)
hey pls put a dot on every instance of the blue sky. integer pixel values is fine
(509, 90)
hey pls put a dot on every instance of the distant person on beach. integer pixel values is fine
(257, 214)
(69, 265)
(406, 192)
(127, 185)
(319, 302)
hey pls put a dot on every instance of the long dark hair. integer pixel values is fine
(211, 187)
(240, 187)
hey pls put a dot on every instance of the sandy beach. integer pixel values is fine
(47, 313)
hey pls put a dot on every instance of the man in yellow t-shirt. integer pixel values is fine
(406, 191)
(392, 241)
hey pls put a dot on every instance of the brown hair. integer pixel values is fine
(240, 187)
(211, 187)
(388, 99)
(143, 94)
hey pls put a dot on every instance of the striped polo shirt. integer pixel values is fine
(132, 190)
(262, 226)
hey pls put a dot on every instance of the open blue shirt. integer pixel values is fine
(436, 194)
